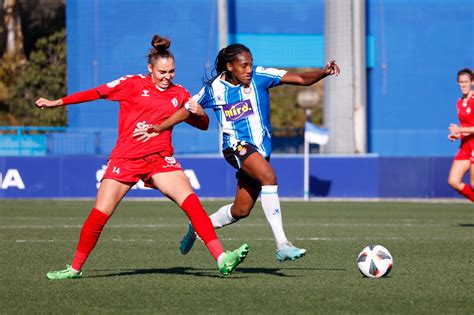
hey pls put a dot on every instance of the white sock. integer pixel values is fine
(219, 259)
(222, 217)
(272, 210)
(75, 271)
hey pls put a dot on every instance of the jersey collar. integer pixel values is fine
(226, 82)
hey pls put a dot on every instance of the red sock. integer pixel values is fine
(467, 192)
(90, 234)
(202, 224)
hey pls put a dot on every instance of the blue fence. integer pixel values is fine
(62, 141)
(211, 176)
(25, 141)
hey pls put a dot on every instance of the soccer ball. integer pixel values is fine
(374, 261)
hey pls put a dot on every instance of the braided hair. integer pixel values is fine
(226, 55)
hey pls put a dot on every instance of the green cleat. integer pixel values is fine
(68, 273)
(232, 259)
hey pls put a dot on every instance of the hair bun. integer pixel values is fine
(160, 43)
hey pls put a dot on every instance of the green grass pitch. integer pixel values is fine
(137, 268)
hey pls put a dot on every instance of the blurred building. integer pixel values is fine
(413, 51)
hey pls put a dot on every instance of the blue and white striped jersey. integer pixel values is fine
(243, 112)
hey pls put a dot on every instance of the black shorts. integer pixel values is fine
(236, 155)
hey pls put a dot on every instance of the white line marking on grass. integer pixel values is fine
(318, 239)
(67, 226)
(13, 227)
(135, 240)
(33, 241)
(152, 226)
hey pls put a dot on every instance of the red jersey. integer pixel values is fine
(465, 109)
(141, 104)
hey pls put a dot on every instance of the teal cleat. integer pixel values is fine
(232, 259)
(188, 241)
(68, 273)
(289, 252)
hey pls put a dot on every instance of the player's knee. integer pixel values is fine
(269, 179)
(450, 182)
(453, 183)
(240, 212)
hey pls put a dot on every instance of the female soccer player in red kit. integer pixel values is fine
(464, 159)
(144, 100)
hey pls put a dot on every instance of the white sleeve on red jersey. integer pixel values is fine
(120, 89)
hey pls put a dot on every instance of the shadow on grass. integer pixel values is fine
(466, 225)
(280, 272)
(211, 273)
(174, 270)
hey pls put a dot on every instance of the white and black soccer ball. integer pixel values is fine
(375, 261)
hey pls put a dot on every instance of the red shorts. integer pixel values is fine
(132, 170)
(466, 150)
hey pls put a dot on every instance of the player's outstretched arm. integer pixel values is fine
(79, 97)
(45, 103)
(311, 77)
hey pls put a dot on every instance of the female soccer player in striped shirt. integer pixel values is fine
(239, 96)
(144, 100)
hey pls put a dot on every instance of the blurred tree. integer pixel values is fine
(284, 110)
(24, 23)
(288, 119)
(40, 18)
(10, 71)
(44, 74)
(13, 31)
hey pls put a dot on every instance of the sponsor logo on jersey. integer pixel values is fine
(170, 160)
(238, 110)
(141, 125)
(146, 93)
